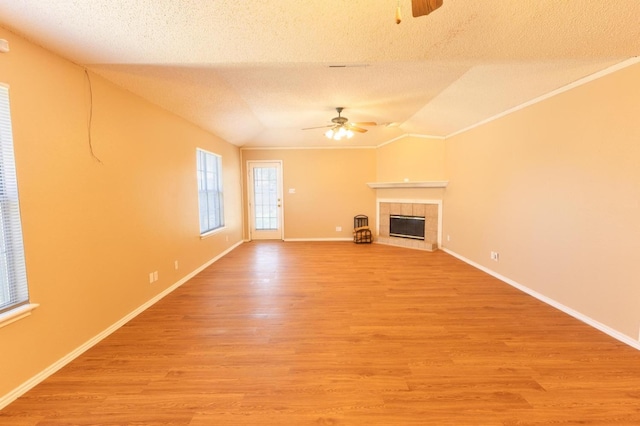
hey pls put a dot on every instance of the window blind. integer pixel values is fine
(209, 168)
(13, 277)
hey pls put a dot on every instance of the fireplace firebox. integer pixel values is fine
(407, 227)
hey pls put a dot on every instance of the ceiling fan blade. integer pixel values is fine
(356, 129)
(365, 123)
(424, 7)
(318, 127)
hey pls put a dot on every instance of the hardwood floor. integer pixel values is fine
(341, 334)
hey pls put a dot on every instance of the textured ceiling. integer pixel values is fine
(255, 72)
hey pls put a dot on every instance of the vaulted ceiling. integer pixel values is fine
(256, 72)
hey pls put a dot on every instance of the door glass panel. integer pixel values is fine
(265, 190)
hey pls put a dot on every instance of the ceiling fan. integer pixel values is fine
(341, 128)
(419, 8)
(424, 7)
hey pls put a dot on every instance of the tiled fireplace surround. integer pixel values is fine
(428, 209)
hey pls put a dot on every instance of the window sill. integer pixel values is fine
(212, 232)
(17, 314)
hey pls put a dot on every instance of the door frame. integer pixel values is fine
(250, 218)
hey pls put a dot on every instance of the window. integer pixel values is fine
(210, 191)
(13, 277)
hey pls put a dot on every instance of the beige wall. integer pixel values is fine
(94, 231)
(555, 189)
(330, 189)
(413, 158)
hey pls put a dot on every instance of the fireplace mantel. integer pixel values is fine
(422, 184)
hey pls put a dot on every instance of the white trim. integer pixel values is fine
(577, 83)
(35, 380)
(410, 135)
(422, 136)
(414, 184)
(16, 314)
(397, 138)
(410, 201)
(268, 148)
(212, 232)
(316, 239)
(567, 310)
(250, 201)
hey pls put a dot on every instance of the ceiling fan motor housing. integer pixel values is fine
(339, 120)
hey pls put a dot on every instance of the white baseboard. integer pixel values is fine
(318, 239)
(567, 310)
(38, 378)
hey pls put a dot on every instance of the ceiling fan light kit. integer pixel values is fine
(341, 128)
(338, 133)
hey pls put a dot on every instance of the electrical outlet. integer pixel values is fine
(338, 228)
(448, 238)
(175, 264)
(495, 256)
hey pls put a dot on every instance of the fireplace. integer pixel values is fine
(406, 227)
(422, 217)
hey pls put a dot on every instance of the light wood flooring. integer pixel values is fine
(328, 333)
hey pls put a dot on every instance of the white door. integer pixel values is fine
(265, 200)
